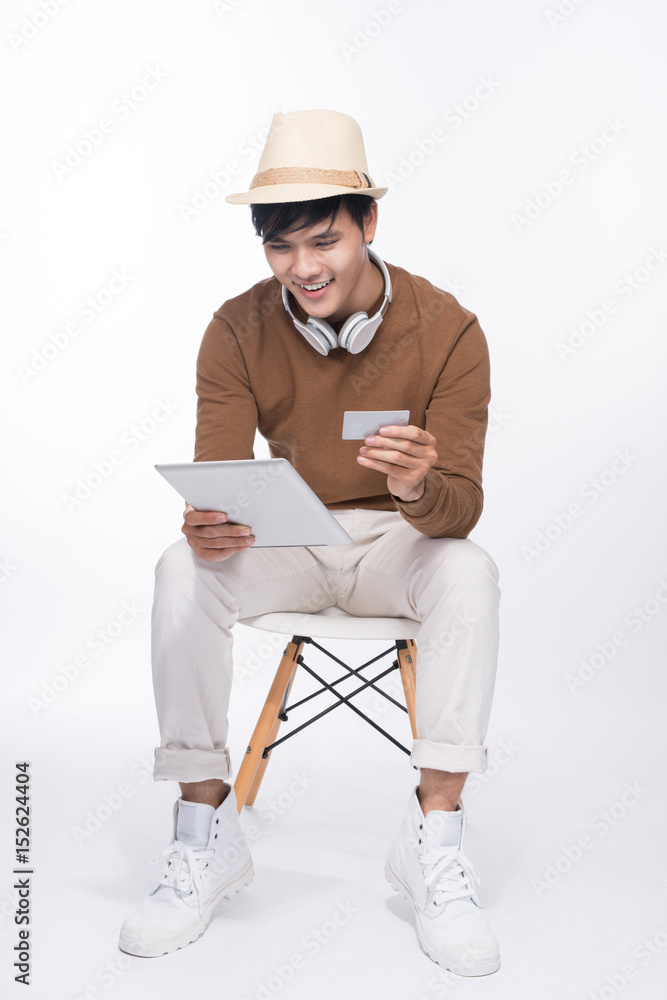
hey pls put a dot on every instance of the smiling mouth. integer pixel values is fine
(314, 288)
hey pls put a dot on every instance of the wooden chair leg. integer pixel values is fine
(407, 661)
(252, 768)
(259, 773)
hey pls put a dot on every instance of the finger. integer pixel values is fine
(408, 445)
(214, 531)
(401, 431)
(216, 548)
(374, 463)
(193, 516)
(231, 539)
(209, 533)
(379, 458)
(215, 555)
(418, 435)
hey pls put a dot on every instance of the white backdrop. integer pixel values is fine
(524, 146)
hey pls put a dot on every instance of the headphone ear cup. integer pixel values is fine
(320, 335)
(317, 332)
(349, 329)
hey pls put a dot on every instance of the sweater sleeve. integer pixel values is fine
(226, 406)
(457, 416)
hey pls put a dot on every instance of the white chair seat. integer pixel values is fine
(332, 623)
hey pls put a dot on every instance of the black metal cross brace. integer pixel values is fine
(342, 699)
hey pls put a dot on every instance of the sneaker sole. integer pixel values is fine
(196, 929)
(397, 883)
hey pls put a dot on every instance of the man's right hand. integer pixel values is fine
(211, 537)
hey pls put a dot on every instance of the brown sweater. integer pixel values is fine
(429, 356)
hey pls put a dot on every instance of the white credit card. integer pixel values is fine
(358, 424)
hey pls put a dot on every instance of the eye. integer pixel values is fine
(329, 243)
(277, 246)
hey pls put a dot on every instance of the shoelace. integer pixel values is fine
(448, 873)
(181, 867)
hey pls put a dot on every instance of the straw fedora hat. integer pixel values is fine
(308, 155)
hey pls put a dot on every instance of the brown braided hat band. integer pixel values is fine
(311, 175)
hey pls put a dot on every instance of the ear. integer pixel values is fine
(370, 223)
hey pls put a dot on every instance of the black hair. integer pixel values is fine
(272, 220)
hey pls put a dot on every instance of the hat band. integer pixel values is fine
(311, 175)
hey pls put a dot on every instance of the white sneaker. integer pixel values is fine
(427, 866)
(207, 860)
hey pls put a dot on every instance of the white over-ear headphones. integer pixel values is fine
(356, 332)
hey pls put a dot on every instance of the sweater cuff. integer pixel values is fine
(427, 501)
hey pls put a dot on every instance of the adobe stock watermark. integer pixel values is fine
(591, 490)
(441, 984)
(624, 289)
(34, 23)
(427, 652)
(565, 9)
(88, 310)
(111, 802)
(218, 180)
(270, 810)
(310, 603)
(267, 814)
(378, 21)
(263, 653)
(7, 569)
(224, 7)
(8, 904)
(254, 319)
(499, 757)
(635, 620)
(394, 688)
(454, 285)
(581, 159)
(646, 952)
(458, 627)
(317, 938)
(106, 975)
(259, 481)
(386, 357)
(472, 445)
(122, 107)
(98, 642)
(385, 354)
(132, 438)
(601, 823)
(452, 119)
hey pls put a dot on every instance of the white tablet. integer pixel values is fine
(266, 493)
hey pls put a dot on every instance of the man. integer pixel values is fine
(377, 338)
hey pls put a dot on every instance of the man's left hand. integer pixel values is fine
(405, 454)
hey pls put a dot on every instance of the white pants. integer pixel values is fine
(450, 585)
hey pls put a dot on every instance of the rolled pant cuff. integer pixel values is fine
(191, 765)
(448, 757)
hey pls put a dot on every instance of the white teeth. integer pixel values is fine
(313, 288)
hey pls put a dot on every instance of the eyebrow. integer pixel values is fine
(279, 238)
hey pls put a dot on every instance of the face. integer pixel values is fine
(331, 255)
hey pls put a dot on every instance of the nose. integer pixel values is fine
(306, 265)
